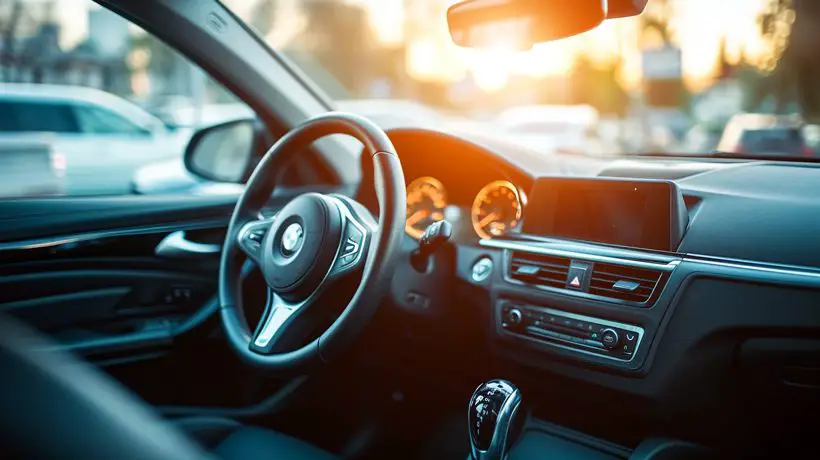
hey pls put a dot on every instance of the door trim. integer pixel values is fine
(48, 242)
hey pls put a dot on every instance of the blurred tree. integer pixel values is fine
(263, 16)
(723, 68)
(20, 19)
(338, 36)
(655, 23)
(598, 87)
(161, 58)
(790, 31)
(12, 13)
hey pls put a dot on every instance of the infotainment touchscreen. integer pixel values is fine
(643, 214)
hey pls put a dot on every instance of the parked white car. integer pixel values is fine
(102, 137)
(29, 167)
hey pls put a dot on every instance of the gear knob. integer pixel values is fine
(491, 416)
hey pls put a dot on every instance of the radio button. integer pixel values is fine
(610, 338)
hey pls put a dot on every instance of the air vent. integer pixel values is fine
(624, 282)
(539, 269)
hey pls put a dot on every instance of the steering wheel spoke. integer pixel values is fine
(278, 314)
(251, 238)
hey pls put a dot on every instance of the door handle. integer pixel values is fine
(176, 246)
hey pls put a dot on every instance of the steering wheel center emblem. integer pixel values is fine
(292, 239)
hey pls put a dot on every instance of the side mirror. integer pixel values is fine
(222, 152)
(519, 24)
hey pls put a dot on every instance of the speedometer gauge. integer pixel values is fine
(426, 200)
(496, 209)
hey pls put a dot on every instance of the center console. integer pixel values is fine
(500, 429)
(585, 275)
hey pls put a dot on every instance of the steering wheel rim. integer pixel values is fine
(377, 251)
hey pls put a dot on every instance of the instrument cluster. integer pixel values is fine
(496, 209)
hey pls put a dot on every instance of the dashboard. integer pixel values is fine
(702, 300)
(481, 196)
(496, 209)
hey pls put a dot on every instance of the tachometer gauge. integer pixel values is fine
(496, 209)
(426, 200)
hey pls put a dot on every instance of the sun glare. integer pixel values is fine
(491, 70)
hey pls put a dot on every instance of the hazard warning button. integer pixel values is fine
(578, 275)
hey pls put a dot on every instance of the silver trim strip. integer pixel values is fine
(101, 234)
(520, 246)
(575, 346)
(176, 245)
(768, 270)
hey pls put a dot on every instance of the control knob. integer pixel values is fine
(610, 338)
(514, 316)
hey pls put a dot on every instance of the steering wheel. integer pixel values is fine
(307, 246)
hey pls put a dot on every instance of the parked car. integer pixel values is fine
(764, 135)
(104, 138)
(553, 128)
(30, 167)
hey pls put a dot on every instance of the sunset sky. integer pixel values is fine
(698, 27)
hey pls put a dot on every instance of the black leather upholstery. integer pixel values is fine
(229, 440)
(536, 444)
(53, 405)
(250, 443)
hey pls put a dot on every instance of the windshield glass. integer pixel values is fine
(674, 80)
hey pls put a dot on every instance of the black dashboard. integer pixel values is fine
(729, 312)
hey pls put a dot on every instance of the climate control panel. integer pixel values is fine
(570, 331)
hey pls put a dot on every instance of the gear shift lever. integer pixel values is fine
(491, 415)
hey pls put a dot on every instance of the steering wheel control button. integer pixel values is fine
(257, 235)
(610, 338)
(578, 275)
(352, 243)
(482, 269)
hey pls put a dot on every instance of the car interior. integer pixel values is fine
(463, 298)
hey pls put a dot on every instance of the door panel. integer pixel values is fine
(87, 272)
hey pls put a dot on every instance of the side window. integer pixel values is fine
(37, 117)
(95, 120)
(116, 80)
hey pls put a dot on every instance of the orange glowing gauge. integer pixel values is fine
(426, 200)
(496, 209)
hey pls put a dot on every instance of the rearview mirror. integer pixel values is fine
(222, 152)
(519, 24)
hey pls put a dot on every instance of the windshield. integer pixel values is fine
(669, 81)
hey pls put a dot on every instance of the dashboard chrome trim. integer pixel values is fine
(575, 346)
(526, 247)
(814, 275)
